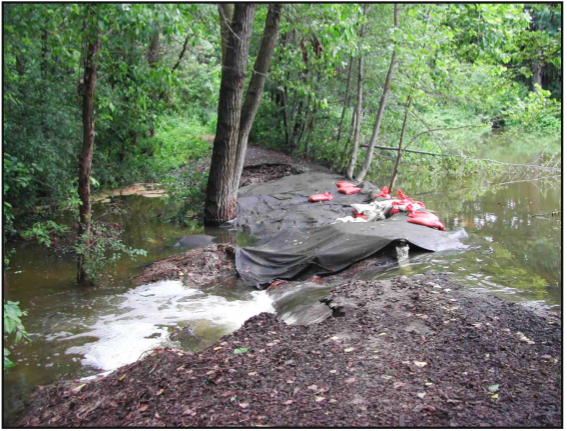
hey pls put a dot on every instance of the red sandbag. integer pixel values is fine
(424, 221)
(342, 184)
(358, 215)
(320, 197)
(385, 193)
(349, 190)
(402, 195)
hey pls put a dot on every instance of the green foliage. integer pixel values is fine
(186, 189)
(538, 112)
(13, 326)
(241, 350)
(101, 247)
(42, 232)
(463, 64)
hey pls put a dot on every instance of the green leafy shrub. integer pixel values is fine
(538, 112)
(101, 247)
(13, 326)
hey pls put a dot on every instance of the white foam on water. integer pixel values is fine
(140, 321)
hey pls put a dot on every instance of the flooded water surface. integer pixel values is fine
(78, 331)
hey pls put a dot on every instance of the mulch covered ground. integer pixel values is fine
(200, 267)
(261, 165)
(266, 172)
(397, 353)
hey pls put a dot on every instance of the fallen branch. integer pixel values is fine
(546, 168)
(408, 151)
(551, 214)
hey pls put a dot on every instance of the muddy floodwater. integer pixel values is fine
(78, 332)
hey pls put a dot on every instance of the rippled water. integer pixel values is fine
(77, 332)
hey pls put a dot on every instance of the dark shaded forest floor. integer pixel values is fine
(400, 352)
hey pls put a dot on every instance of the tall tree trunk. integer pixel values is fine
(256, 86)
(358, 109)
(226, 10)
(376, 129)
(220, 203)
(400, 146)
(345, 103)
(85, 160)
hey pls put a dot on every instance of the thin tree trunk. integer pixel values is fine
(181, 54)
(153, 51)
(345, 103)
(349, 140)
(284, 114)
(400, 146)
(358, 109)
(256, 86)
(220, 203)
(537, 76)
(226, 10)
(153, 60)
(177, 64)
(88, 147)
(358, 119)
(376, 130)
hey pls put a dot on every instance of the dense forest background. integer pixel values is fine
(451, 73)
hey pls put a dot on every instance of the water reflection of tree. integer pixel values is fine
(500, 207)
(505, 212)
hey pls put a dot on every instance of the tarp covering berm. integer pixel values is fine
(299, 239)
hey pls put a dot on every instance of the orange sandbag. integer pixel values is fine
(341, 184)
(349, 190)
(320, 197)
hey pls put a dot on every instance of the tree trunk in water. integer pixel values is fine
(256, 86)
(400, 149)
(226, 10)
(345, 103)
(88, 147)
(220, 203)
(358, 109)
(376, 129)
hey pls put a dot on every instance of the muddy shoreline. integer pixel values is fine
(398, 352)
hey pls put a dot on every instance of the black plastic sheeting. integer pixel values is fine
(264, 209)
(299, 239)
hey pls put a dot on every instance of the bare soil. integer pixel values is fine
(395, 353)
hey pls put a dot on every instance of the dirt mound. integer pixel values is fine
(200, 267)
(396, 353)
(267, 172)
